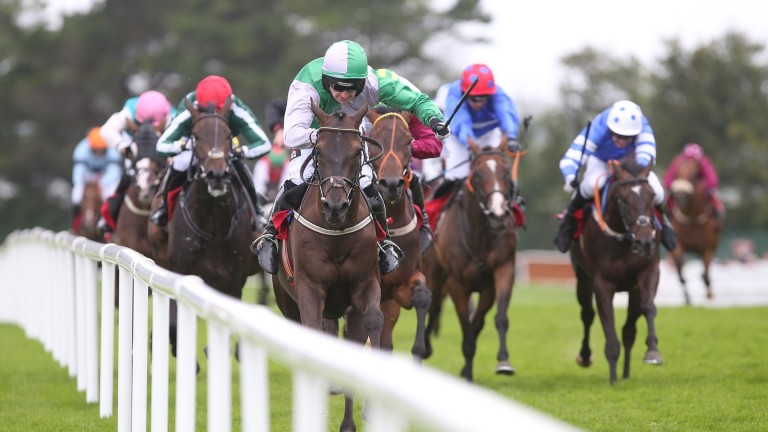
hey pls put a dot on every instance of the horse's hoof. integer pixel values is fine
(584, 363)
(652, 357)
(504, 368)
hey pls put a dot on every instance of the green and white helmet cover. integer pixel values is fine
(346, 60)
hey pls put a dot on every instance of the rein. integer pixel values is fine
(597, 214)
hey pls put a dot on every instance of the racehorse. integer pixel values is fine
(90, 209)
(209, 230)
(619, 251)
(694, 219)
(329, 262)
(474, 251)
(131, 229)
(406, 287)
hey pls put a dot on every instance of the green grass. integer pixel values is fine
(714, 377)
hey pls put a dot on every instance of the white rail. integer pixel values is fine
(50, 289)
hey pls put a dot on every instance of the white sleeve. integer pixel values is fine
(112, 130)
(299, 116)
(261, 176)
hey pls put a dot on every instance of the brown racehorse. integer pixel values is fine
(619, 251)
(406, 287)
(209, 232)
(695, 221)
(474, 251)
(131, 229)
(331, 243)
(90, 209)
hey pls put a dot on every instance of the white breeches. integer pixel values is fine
(294, 169)
(597, 172)
(456, 154)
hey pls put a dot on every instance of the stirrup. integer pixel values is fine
(265, 248)
(426, 238)
(102, 227)
(159, 217)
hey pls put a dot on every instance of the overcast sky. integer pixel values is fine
(531, 36)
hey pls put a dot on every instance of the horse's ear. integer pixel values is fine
(321, 116)
(227, 105)
(191, 108)
(358, 117)
(373, 115)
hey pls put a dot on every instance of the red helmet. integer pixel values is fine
(213, 89)
(693, 151)
(485, 86)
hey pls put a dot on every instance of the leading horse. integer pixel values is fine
(209, 232)
(406, 287)
(695, 221)
(475, 251)
(330, 258)
(619, 251)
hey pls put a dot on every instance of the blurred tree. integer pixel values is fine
(58, 83)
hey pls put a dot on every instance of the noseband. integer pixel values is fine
(642, 220)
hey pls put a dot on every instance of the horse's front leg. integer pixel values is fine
(584, 296)
(391, 311)
(504, 279)
(678, 258)
(421, 299)
(366, 300)
(311, 302)
(469, 343)
(648, 285)
(604, 291)
(707, 258)
(629, 331)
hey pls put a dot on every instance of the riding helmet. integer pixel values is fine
(625, 118)
(485, 86)
(345, 64)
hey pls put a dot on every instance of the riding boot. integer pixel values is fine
(389, 253)
(172, 180)
(425, 233)
(265, 247)
(568, 224)
(247, 181)
(668, 235)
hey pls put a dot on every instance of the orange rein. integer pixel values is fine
(409, 173)
(598, 206)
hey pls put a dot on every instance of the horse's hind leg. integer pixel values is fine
(679, 259)
(584, 296)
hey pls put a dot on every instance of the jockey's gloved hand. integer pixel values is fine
(441, 130)
(237, 152)
(570, 183)
(513, 146)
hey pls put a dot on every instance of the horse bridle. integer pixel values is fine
(641, 221)
(339, 181)
(215, 153)
(482, 201)
(407, 172)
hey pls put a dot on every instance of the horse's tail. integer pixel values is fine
(435, 310)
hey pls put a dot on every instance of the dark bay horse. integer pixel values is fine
(619, 251)
(209, 232)
(695, 221)
(475, 251)
(131, 229)
(331, 245)
(406, 287)
(90, 209)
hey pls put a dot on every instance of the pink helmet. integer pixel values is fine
(153, 105)
(693, 151)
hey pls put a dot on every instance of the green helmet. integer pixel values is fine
(345, 60)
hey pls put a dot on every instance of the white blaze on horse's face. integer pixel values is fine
(637, 189)
(143, 172)
(496, 206)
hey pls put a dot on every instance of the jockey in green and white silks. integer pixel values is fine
(343, 80)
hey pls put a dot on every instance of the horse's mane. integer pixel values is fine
(630, 164)
(384, 109)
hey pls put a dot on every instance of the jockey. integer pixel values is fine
(707, 175)
(118, 132)
(488, 116)
(273, 169)
(210, 94)
(342, 80)
(614, 132)
(425, 145)
(94, 160)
